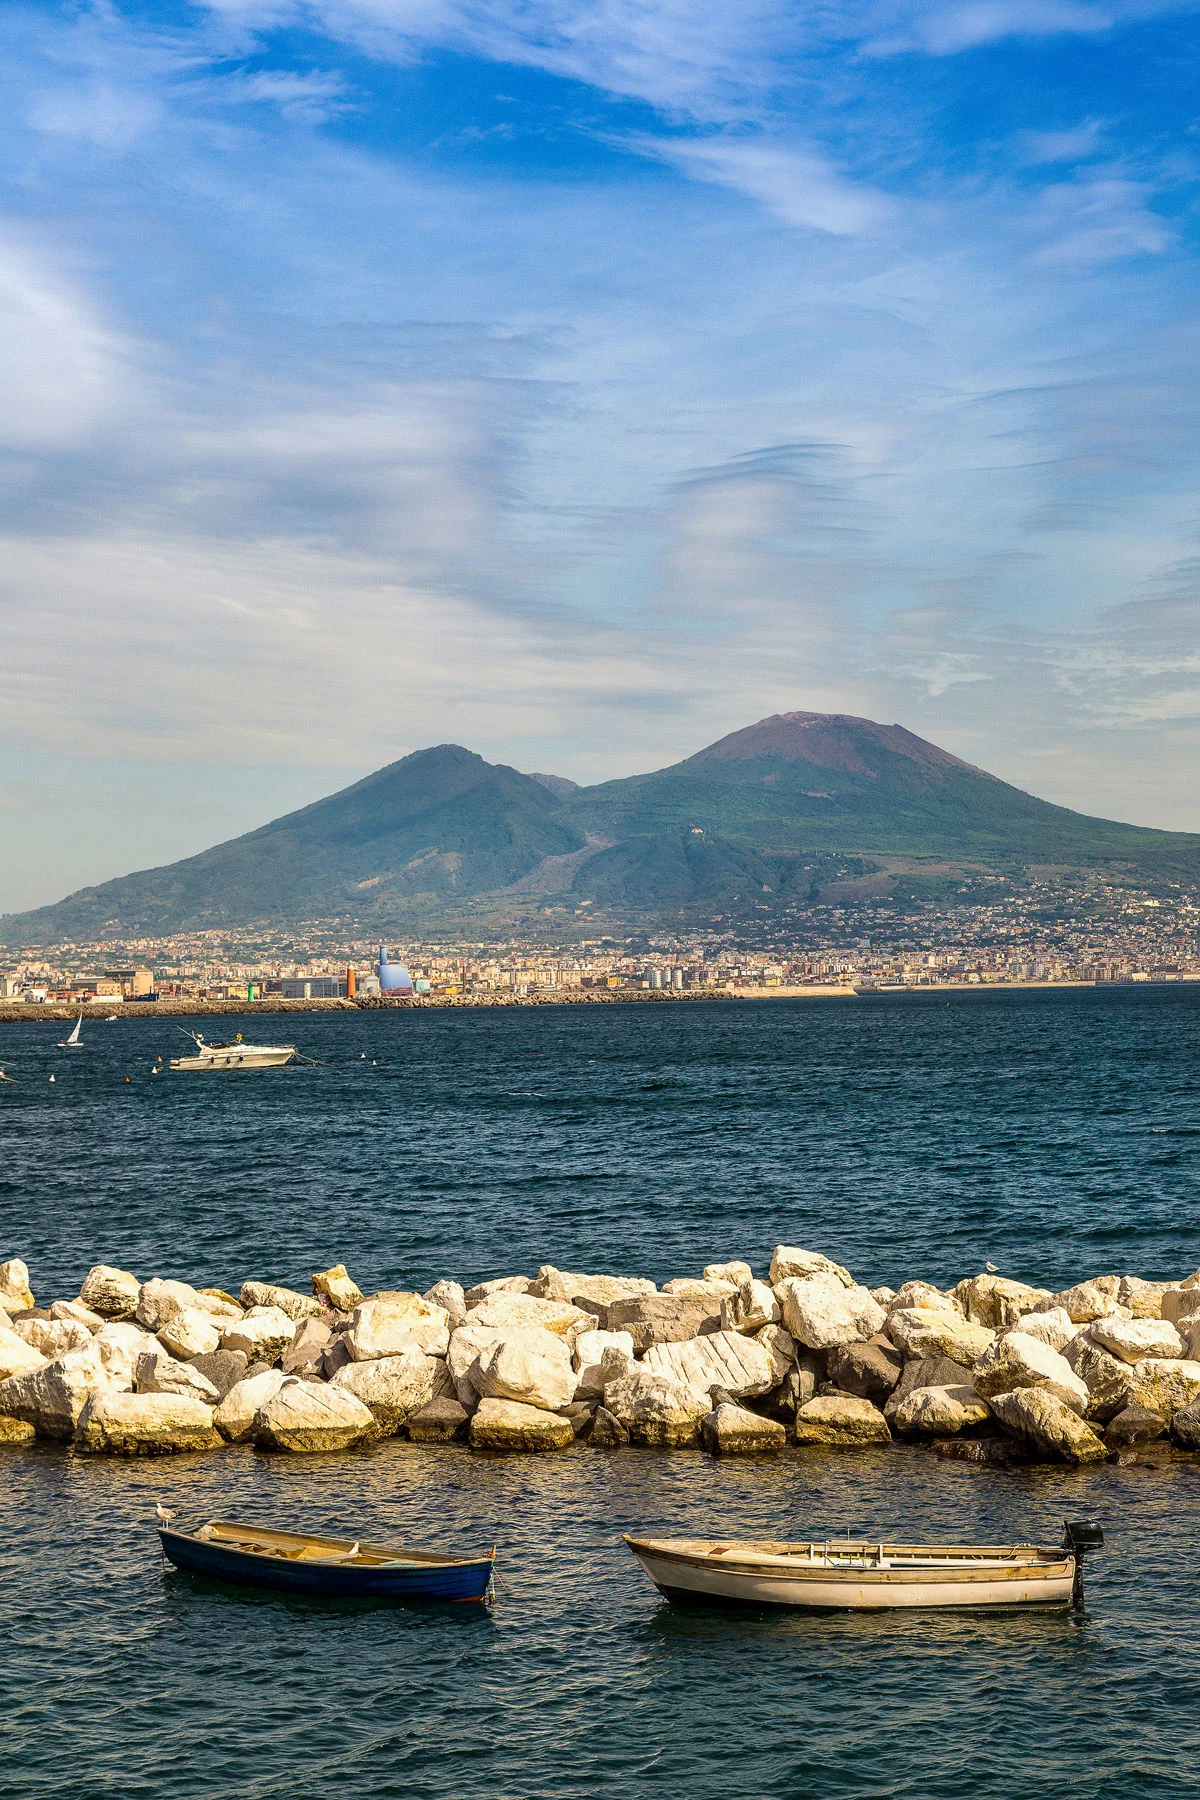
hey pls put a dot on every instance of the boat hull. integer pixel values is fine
(430, 1581)
(698, 1581)
(257, 1059)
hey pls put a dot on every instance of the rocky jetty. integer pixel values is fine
(991, 1370)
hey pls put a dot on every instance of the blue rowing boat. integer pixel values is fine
(298, 1563)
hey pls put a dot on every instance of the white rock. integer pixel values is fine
(384, 1326)
(588, 1291)
(788, 1260)
(52, 1337)
(159, 1301)
(753, 1306)
(263, 1334)
(266, 1293)
(500, 1311)
(465, 1346)
(1143, 1298)
(120, 1343)
(221, 1306)
(734, 1431)
(512, 1425)
(1180, 1303)
(821, 1311)
(725, 1359)
(1109, 1380)
(589, 1356)
(1055, 1327)
(153, 1424)
(308, 1419)
(1165, 1384)
(502, 1284)
(1043, 1421)
(780, 1346)
(335, 1285)
(393, 1387)
(235, 1416)
(923, 1293)
(109, 1291)
(939, 1411)
(716, 1291)
(529, 1365)
(17, 1357)
(52, 1397)
(996, 1302)
(735, 1273)
(1017, 1360)
(452, 1300)
(841, 1421)
(77, 1313)
(191, 1332)
(157, 1373)
(1086, 1301)
(924, 1331)
(655, 1408)
(15, 1292)
(1135, 1339)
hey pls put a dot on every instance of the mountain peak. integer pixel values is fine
(827, 741)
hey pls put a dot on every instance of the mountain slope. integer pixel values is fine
(778, 809)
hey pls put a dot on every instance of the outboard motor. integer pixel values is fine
(1080, 1536)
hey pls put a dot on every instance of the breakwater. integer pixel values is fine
(991, 1370)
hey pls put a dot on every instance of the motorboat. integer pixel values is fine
(234, 1054)
(301, 1563)
(860, 1576)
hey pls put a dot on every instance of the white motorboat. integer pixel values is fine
(840, 1574)
(234, 1054)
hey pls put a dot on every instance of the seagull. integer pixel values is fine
(164, 1514)
(991, 1268)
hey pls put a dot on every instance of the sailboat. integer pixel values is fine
(74, 1042)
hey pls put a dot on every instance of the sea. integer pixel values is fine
(1053, 1133)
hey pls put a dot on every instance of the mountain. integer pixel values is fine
(790, 808)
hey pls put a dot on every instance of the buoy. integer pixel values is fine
(127, 1078)
(52, 1078)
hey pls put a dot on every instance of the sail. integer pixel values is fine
(74, 1037)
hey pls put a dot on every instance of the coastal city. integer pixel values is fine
(1048, 932)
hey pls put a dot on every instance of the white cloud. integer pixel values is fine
(797, 184)
(60, 368)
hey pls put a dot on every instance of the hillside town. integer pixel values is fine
(1047, 933)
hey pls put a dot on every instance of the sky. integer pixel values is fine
(580, 380)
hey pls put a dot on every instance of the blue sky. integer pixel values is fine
(579, 381)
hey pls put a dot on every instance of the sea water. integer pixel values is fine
(911, 1135)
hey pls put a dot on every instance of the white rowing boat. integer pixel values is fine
(867, 1576)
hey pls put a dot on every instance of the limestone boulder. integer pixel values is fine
(15, 1431)
(1179, 1303)
(439, 1375)
(159, 1301)
(307, 1420)
(662, 1318)
(926, 1371)
(384, 1326)
(529, 1365)
(220, 1304)
(52, 1337)
(392, 1387)
(870, 1369)
(790, 1261)
(77, 1313)
(589, 1359)
(883, 1295)
(1017, 1360)
(17, 1357)
(120, 1343)
(267, 1293)
(440, 1421)
(1166, 1384)
(224, 1368)
(156, 1372)
(16, 1295)
(1086, 1301)
(1109, 1380)
(512, 1425)
(110, 1291)
(51, 1398)
(500, 1312)
(923, 1293)
(607, 1431)
(994, 1301)
(590, 1292)
(1135, 1425)
(465, 1346)
(1038, 1418)
(191, 1332)
(733, 1431)
(1135, 1339)
(1185, 1425)
(306, 1353)
(338, 1288)
(716, 1291)
(149, 1424)
(656, 1408)
(1056, 1327)
(1143, 1298)
(782, 1349)
(821, 1311)
(235, 1416)
(1189, 1337)
(726, 1359)
(924, 1331)
(842, 1422)
(939, 1411)
(502, 1284)
(262, 1334)
(735, 1273)
(452, 1300)
(750, 1308)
